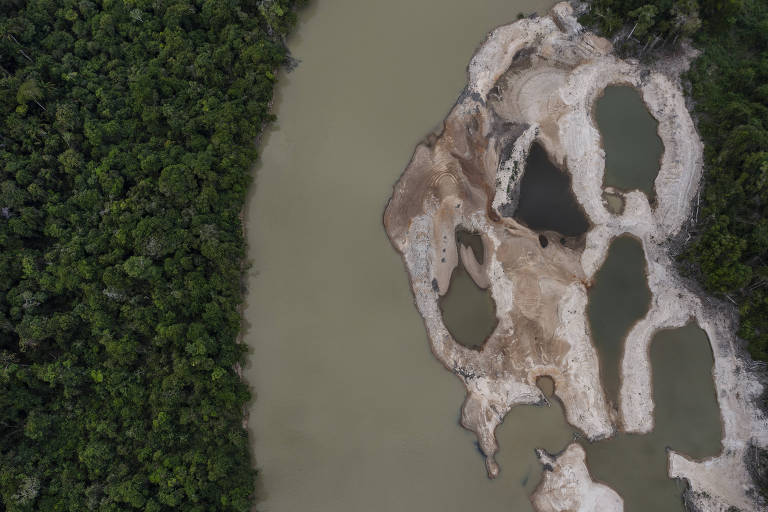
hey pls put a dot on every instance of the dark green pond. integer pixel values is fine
(632, 146)
(617, 300)
(468, 311)
(687, 419)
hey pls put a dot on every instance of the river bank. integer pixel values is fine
(350, 411)
(537, 80)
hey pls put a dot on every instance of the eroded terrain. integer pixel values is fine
(536, 81)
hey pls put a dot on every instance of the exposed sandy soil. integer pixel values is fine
(537, 80)
(567, 485)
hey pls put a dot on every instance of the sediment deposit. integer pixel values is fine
(567, 485)
(537, 80)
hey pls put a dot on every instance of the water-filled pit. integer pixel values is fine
(468, 310)
(629, 136)
(687, 419)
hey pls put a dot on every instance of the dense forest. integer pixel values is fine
(125, 153)
(728, 84)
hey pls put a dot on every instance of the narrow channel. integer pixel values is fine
(469, 312)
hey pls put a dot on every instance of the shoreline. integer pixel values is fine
(554, 96)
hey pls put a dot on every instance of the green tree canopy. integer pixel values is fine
(127, 138)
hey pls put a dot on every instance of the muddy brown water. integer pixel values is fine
(629, 136)
(351, 411)
(687, 419)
